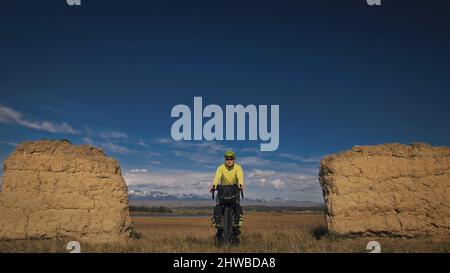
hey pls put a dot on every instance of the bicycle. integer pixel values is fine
(229, 235)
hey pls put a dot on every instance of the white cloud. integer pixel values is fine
(54, 110)
(255, 161)
(155, 162)
(199, 156)
(149, 154)
(262, 182)
(120, 146)
(211, 152)
(278, 184)
(112, 135)
(260, 174)
(163, 140)
(171, 181)
(276, 165)
(10, 143)
(88, 140)
(259, 183)
(289, 176)
(141, 143)
(210, 146)
(139, 170)
(11, 116)
(116, 148)
(252, 150)
(298, 158)
(292, 185)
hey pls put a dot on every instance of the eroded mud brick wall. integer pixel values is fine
(391, 189)
(55, 189)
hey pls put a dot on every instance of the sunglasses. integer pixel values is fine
(229, 158)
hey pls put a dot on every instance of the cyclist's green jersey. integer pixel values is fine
(232, 176)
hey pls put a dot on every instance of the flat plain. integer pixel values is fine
(284, 232)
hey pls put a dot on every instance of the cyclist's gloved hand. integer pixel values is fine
(212, 189)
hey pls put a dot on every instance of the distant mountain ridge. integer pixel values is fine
(159, 195)
(148, 195)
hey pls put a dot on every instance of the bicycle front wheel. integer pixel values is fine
(228, 224)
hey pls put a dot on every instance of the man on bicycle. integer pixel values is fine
(229, 174)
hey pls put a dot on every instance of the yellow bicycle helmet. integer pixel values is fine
(229, 154)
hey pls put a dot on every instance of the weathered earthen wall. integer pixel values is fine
(391, 189)
(54, 189)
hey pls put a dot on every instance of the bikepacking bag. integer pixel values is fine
(228, 195)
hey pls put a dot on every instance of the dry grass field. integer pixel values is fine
(262, 232)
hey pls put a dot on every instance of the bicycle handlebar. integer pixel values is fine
(240, 189)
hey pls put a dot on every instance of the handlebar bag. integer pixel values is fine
(228, 195)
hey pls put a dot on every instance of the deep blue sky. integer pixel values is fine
(343, 73)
